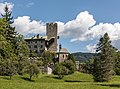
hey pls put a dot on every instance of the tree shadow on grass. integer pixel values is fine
(76, 81)
(27, 79)
(54, 77)
(110, 85)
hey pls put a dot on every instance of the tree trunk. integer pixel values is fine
(10, 77)
(30, 77)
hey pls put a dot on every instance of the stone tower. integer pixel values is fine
(51, 32)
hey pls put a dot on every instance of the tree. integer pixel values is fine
(65, 68)
(48, 57)
(7, 58)
(89, 66)
(32, 70)
(60, 70)
(117, 64)
(70, 65)
(9, 30)
(22, 52)
(10, 61)
(104, 62)
(71, 57)
(2, 27)
(10, 67)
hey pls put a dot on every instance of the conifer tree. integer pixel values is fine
(104, 62)
(10, 61)
(9, 30)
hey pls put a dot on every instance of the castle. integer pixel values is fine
(39, 44)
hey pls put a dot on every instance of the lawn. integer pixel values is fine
(74, 81)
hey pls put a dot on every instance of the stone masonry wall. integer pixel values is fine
(51, 31)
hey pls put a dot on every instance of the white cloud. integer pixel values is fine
(60, 27)
(91, 48)
(82, 28)
(30, 4)
(112, 29)
(2, 6)
(25, 26)
(78, 28)
(99, 30)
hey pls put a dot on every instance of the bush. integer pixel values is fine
(60, 70)
(70, 66)
(64, 68)
(71, 57)
(117, 71)
(32, 70)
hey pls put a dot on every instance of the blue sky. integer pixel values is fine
(106, 12)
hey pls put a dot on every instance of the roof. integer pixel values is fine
(64, 50)
(40, 37)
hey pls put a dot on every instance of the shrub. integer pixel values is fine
(32, 70)
(70, 66)
(60, 70)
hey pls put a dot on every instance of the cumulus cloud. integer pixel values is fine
(25, 26)
(91, 48)
(99, 30)
(112, 29)
(2, 6)
(82, 28)
(77, 29)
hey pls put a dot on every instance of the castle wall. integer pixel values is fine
(36, 45)
(51, 31)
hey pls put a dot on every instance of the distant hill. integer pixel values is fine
(82, 57)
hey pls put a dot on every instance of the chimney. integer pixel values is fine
(37, 35)
(60, 46)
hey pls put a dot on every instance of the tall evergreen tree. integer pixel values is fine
(13, 50)
(9, 30)
(117, 63)
(104, 63)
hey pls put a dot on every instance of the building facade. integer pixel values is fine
(63, 54)
(39, 44)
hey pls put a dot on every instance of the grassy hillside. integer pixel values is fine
(74, 81)
(82, 57)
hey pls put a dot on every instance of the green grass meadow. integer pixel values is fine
(74, 81)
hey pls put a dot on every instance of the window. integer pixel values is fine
(29, 46)
(41, 46)
(36, 51)
(35, 46)
(41, 51)
(35, 41)
(63, 56)
(28, 42)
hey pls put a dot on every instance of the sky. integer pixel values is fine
(80, 22)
